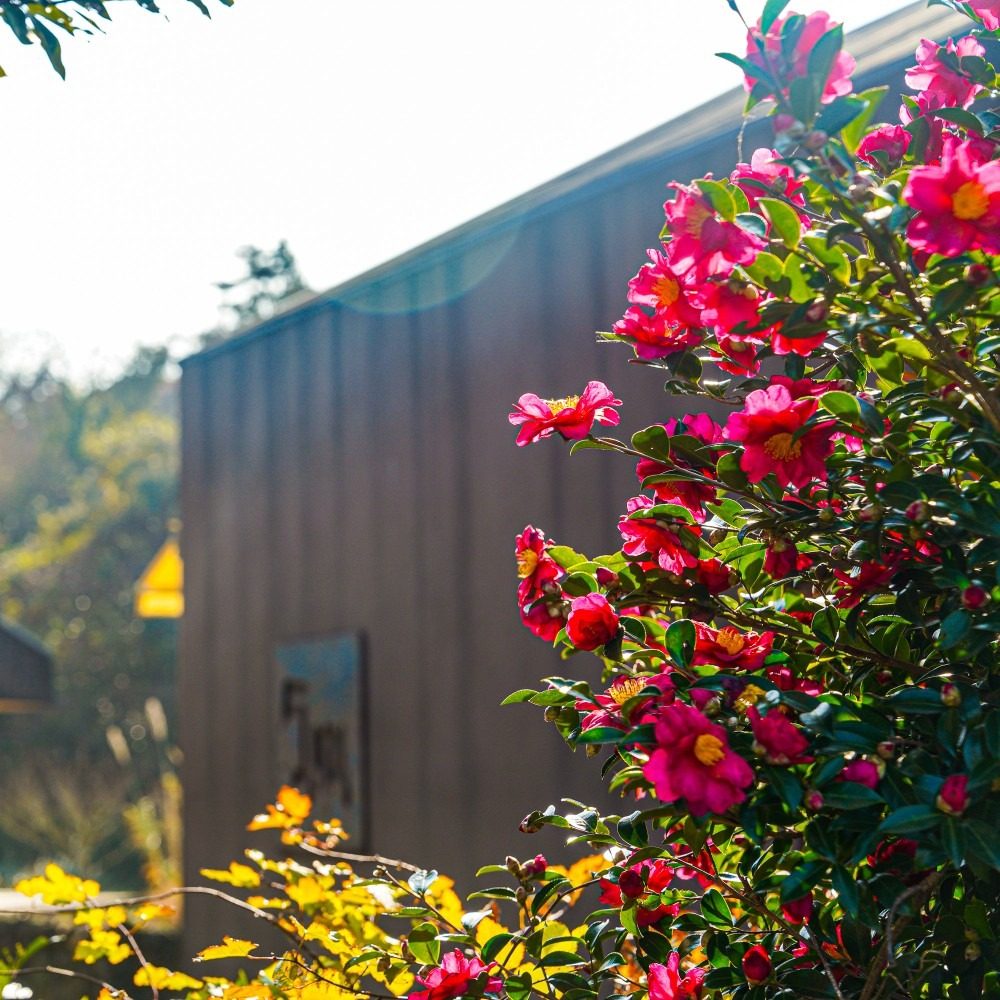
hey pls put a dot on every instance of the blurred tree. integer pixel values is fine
(32, 22)
(270, 277)
(87, 488)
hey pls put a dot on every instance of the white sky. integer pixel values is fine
(355, 129)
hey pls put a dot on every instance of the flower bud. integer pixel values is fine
(972, 951)
(534, 868)
(551, 713)
(814, 800)
(757, 965)
(827, 515)
(513, 865)
(815, 140)
(870, 512)
(631, 884)
(975, 597)
(592, 622)
(886, 749)
(592, 749)
(978, 274)
(953, 798)
(818, 311)
(838, 552)
(798, 911)
(919, 510)
(521, 894)
(884, 677)
(530, 823)
(950, 696)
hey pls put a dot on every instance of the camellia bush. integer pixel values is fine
(793, 679)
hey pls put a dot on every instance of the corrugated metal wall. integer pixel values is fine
(349, 466)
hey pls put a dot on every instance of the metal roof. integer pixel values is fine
(876, 47)
(25, 670)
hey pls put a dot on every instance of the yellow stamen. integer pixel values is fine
(696, 218)
(970, 201)
(749, 697)
(526, 563)
(708, 749)
(667, 290)
(783, 447)
(621, 691)
(566, 403)
(730, 640)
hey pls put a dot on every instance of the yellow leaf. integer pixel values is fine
(230, 948)
(297, 804)
(56, 886)
(105, 946)
(306, 891)
(154, 911)
(159, 978)
(241, 876)
(111, 916)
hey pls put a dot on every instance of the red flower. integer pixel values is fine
(783, 558)
(534, 567)
(941, 83)
(884, 147)
(765, 176)
(729, 304)
(658, 286)
(654, 336)
(757, 965)
(953, 798)
(862, 772)
(798, 911)
(737, 355)
(703, 241)
(771, 430)
(572, 416)
(894, 857)
(661, 540)
(606, 709)
(665, 982)
(728, 647)
(453, 978)
(714, 575)
(788, 59)
(545, 619)
(803, 346)
(957, 203)
(693, 762)
(636, 881)
(870, 576)
(777, 739)
(592, 622)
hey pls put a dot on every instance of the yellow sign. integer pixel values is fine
(160, 590)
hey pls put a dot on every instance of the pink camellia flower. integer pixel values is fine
(535, 868)
(571, 416)
(777, 739)
(655, 336)
(728, 647)
(453, 978)
(757, 965)
(766, 177)
(702, 241)
(787, 66)
(953, 798)
(592, 622)
(606, 709)
(988, 11)
(803, 346)
(665, 981)
(693, 761)
(636, 881)
(884, 147)
(729, 304)
(957, 203)
(658, 286)
(771, 430)
(534, 567)
(798, 911)
(863, 772)
(737, 355)
(544, 619)
(660, 540)
(941, 85)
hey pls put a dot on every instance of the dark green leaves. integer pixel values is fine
(680, 642)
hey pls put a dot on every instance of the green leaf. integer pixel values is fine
(822, 56)
(826, 625)
(420, 882)
(600, 734)
(983, 840)
(851, 795)
(784, 221)
(516, 697)
(767, 269)
(910, 819)
(842, 405)
(953, 839)
(960, 116)
(908, 348)
(772, 10)
(954, 629)
(715, 909)
(565, 557)
(424, 944)
(847, 890)
(494, 945)
(729, 472)
(852, 133)
(653, 442)
(719, 197)
(51, 46)
(680, 641)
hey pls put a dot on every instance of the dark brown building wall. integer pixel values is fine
(349, 467)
